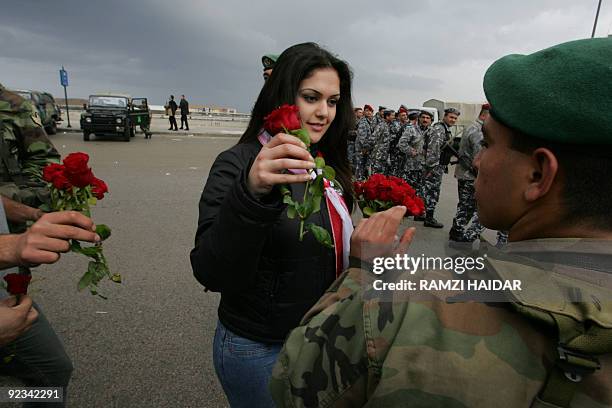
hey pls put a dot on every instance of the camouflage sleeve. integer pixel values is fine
(474, 145)
(405, 144)
(365, 136)
(324, 360)
(36, 150)
(436, 140)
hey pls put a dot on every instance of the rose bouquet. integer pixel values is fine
(286, 119)
(73, 186)
(380, 192)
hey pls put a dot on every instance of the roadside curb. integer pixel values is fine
(165, 133)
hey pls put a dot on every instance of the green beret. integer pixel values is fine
(268, 61)
(562, 94)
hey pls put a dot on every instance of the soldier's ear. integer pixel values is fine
(543, 171)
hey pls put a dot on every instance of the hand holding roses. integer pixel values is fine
(283, 152)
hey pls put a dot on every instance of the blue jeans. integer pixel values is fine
(38, 359)
(244, 368)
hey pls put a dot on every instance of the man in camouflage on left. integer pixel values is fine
(26, 150)
(37, 357)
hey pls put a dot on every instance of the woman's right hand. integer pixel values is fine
(282, 152)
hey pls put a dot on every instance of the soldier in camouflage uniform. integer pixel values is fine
(435, 140)
(378, 117)
(396, 157)
(411, 145)
(548, 345)
(38, 356)
(379, 159)
(351, 139)
(471, 141)
(364, 143)
(26, 150)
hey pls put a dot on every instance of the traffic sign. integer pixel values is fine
(63, 77)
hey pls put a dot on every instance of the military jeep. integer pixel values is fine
(114, 115)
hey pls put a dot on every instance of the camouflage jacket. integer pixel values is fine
(357, 347)
(468, 149)
(435, 139)
(411, 144)
(379, 159)
(364, 142)
(26, 150)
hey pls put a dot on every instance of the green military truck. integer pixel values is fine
(114, 115)
(45, 104)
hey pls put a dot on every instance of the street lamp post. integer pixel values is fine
(596, 17)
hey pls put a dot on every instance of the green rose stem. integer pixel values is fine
(302, 220)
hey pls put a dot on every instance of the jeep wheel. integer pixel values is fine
(126, 135)
(86, 136)
(132, 131)
(52, 128)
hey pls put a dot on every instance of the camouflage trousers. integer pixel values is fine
(379, 165)
(397, 164)
(431, 188)
(351, 154)
(415, 179)
(466, 208)
(361, 166)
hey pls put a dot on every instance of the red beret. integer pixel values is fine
(368, 107)
(402, 109)
(486, 106)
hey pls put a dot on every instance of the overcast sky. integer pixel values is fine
(400, 51)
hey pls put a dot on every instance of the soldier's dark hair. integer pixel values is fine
(294, 65)
(587, 194)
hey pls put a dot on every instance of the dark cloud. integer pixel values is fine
(402, 52)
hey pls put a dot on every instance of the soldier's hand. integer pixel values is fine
(15, 318)
(48, 237)
(378, 235)
(270, 167)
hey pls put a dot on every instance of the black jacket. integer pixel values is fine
(184, 106)
(173, 106)
(247, 249)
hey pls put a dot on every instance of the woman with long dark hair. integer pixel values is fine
(247, 248)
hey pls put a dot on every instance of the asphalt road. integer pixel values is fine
(150, 343)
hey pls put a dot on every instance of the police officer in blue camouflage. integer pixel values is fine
(364, 142)
(379, 159)
(435, 140)
(379, 116)
(398, 126)
(411, 145)
(471, 143)
(351, 139)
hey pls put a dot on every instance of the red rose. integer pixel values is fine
(397, 196)
(77, 171)
(370, 191)
(358, 187)
(76, 162)
(285, 118)
(61, 182)
(99, 188)
(51, 170)
(17, 283)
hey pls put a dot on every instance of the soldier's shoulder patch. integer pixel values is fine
(36, 118)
